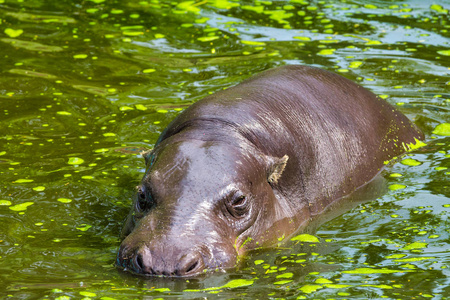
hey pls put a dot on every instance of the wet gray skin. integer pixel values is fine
(253, 163)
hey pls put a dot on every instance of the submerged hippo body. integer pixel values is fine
(253, 163)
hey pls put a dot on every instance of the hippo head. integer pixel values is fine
(199, 206)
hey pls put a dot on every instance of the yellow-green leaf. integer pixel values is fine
(21, 207)
(13, 32)
(306, 238)
(442, 129)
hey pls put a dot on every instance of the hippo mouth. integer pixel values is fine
(141, 264)
(174, 262)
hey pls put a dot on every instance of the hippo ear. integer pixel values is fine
(146, 154)
(276, 168)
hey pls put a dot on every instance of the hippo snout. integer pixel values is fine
(167, 262)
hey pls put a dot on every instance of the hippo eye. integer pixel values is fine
(142, 202)
(238, 205)
(239, 201)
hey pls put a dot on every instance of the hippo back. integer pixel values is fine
(337, 134)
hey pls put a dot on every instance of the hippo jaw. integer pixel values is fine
(204, 221)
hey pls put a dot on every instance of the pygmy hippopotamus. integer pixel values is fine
(255, 162)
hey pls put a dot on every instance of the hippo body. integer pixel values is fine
(255, 162)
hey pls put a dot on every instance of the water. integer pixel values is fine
(86, 85)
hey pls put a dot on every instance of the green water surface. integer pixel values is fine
(86, 85)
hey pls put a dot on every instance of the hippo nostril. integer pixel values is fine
(138, 263)
(192, 267)
(141, 262)
(190, 264)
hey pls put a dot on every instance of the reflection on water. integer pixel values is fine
(86, 86)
